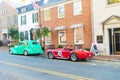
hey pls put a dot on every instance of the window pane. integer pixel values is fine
(61, 11)
(35, 17)
(79, 36)
(77, 8)
(62, 37)
(47, 14)
(21, 36)
(23, 20)
(48, 39)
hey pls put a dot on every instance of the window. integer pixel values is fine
(78, 36)
(61, 11)
(23, 20)
(3, 11)
(62, 37)
(23, 9)
(35, 17)
(26, 35)
(47, 14)
(22, 36)
(35, 43)
(15, 19)
(77, 7)
(113, 1)
(48, 39)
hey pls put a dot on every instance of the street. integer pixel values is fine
(19, 67)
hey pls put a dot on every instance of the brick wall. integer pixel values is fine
(69, 20)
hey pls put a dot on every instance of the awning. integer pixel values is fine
(77, 25)
(60, 28)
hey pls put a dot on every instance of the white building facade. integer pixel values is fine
(106, 26)
(27, 22)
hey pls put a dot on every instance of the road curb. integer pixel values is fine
(109, 60)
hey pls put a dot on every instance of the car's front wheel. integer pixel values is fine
(73, 57)
(25, 52)
(50, 55)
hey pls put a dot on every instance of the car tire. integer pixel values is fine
(25, 52)
(50, 55)
(73, 57)
(10, 51)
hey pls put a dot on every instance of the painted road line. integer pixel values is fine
(46, 71)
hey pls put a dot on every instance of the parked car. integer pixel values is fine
(74, 55)
(26, 47)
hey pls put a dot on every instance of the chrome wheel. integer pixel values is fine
(50, 55)
(25, 52)
(73, 57)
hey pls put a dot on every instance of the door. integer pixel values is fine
(117, 41)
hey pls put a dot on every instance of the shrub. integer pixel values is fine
(88, 49)
(59, 46)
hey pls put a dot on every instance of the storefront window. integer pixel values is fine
(62, 37)
(48, 39)
(78, 36)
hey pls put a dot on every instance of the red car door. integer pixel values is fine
(66, 53)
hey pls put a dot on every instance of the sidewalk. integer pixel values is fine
(4, 48)
(115, 58)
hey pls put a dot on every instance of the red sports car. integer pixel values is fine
(74, 55)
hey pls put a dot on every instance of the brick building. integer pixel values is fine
(8, 18)
(69, 21)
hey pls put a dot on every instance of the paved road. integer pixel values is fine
(19, 67)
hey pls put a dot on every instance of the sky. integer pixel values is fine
(22, 2)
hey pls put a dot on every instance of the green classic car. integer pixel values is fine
(27, 47)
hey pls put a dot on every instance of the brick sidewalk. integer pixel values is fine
(107, 58)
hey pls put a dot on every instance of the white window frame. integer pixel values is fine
(61, 13)
(61, 35)
(45, 14)
(80, 34)
(77, 6)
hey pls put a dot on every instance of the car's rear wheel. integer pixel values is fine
(25, 52)
(10, 51)
(73, 57)
(50, 55)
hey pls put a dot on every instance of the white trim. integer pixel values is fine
(77, 25)
(60, 28)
